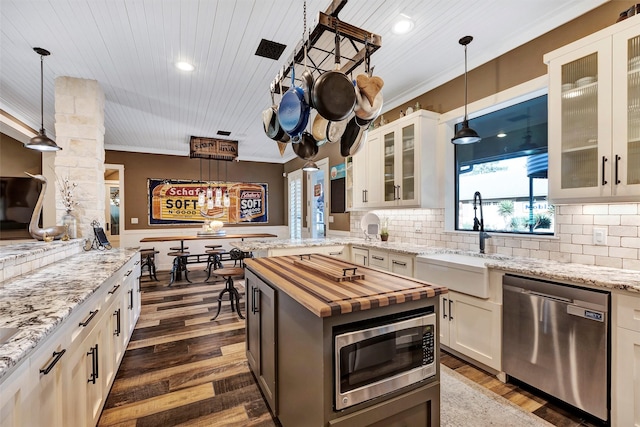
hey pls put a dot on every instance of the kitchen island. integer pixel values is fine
(296, 306)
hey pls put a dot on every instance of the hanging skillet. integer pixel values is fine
(333, 94)
(293, 113)
(271, 123)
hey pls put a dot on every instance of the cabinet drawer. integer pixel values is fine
(379, 259)
(401, 264)
(628, 312)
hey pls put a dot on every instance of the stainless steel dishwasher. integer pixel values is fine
(556, 338)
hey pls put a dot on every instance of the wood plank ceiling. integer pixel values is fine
(130, 47)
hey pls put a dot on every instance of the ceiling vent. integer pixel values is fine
(224, 132)
(270, 49)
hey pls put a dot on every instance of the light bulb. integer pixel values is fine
(226, 201)
(209, 203)
(201, 198)
(209, 192)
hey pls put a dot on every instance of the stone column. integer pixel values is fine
(79, 114)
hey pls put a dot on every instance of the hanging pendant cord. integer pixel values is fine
(41, 94)
(465, 82)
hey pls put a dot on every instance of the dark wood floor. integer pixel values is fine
(182, 369)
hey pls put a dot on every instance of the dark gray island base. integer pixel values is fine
(292, 316)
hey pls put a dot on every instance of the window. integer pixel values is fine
(295, 204)
(508, 167)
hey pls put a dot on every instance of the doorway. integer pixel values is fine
(114, 203)
(318, 197)
(294, 180)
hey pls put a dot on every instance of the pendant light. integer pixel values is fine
(41, 141)
(465, 134)
(310, 166)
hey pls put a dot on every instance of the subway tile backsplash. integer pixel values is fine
(573, 241)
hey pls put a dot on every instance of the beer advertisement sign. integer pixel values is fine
(176, 202)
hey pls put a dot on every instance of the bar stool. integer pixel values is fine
(178, 248)
(148, 259)
(213, 246)
(179, 265)
(234, 296)
(213, 261)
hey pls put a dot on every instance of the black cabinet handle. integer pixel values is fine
(114, 289)
(92, 314)
(118, 327)
(604, 160)
(93, 352)
(617, 181)
(450, 310)
(444, 308)
(57, 355)
(254, 300)
(403, 264)
(137, 262)
(128, 273)
(377, 258)
(130, 299)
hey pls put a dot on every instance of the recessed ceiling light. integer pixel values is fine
(403, 25)
(501, 135)
(184, 66)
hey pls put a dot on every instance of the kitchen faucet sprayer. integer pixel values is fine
(478, 225)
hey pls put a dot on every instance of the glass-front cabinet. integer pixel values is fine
(398, 165)
(594, 116)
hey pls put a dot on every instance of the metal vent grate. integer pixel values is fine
(270, 49)
(224, 132)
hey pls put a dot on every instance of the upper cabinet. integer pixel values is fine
(398, 165)
(594, 116)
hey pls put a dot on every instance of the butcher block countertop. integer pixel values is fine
(308, 279)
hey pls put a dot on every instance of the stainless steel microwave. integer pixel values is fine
(380, 356)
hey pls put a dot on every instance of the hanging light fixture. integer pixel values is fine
(41, 141)
(310, 166)
(465, 134)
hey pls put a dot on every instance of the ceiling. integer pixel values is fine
(130, 47)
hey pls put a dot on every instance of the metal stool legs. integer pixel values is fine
(179, 266)
(234, 297)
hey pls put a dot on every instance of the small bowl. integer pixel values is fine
(567, 86)
(585, 81)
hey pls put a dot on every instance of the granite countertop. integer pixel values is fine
(39, 301)
(604, 277)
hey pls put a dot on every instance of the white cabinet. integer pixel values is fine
(360, 256)
(594, 116)
(401, 264)
(379, 259)
(471, 326)
(398, 165)
(367, 169)
(625, 394)
(66, 379)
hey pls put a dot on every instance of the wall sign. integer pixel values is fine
(212, 148)
(176, 202)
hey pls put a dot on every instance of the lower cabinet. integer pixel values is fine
(384, 260)
(471, 326)
(67, 378)
(360, 256)
(261, 335)
(625, 396)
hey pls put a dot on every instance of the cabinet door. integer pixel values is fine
(267, 311)
(475, 328)
(360, 256)
(626, 113)
(46, 397)
(252, 322)
(626, 394)
(580, 123)
(406, 158)
(391, 166)
(15, 409)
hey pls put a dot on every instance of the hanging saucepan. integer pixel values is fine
(333, 94)
(306, 82)
(293, 113)
(272, 124)
(353, 138)
(335, 130)
(364, 109)
(307, 148)
(319, 129)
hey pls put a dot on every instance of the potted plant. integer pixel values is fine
(384, 231)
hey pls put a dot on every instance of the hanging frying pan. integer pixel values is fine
(293, 113)
(335, 130)
(368, 91)
(272, 124)
(306, 81)
(353, 138)
(319, 129)
(307, 148)
(333, 94)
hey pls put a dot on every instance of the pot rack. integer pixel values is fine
(354, 42)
